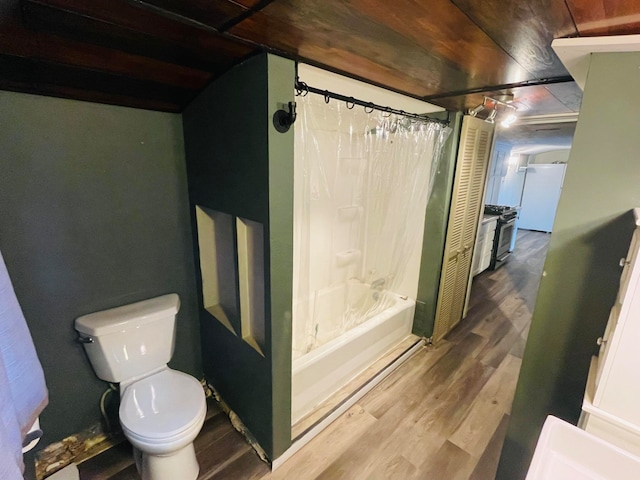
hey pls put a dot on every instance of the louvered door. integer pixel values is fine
(471, 168)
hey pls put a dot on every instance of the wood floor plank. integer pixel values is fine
(406, 379)
(488, 409)
(450, 463)
(108, 463)
(225, 450)
(487, 466)
(521, 316)
(497, 349)
(490, 323)
(518, 347)
(397, 467)
(447, 410)
(356, 460)
(246, 467)
(216, 427)
(129, 473)
(338, 437)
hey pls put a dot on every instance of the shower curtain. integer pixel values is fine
(362, 182)
(23, 393)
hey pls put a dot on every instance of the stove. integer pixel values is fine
(505, 230)
(505, 212)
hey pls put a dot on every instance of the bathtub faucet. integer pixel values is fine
(377, 284)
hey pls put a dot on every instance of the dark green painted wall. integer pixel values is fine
(591, 233)
(280, 281)
(238, 164)
(435, 231)
(93, 214)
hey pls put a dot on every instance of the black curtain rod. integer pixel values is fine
(504, 86)
(303, 89)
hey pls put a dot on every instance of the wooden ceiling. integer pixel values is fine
(159, 54)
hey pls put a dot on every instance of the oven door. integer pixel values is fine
(504, 235)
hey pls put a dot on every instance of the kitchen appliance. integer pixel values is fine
(540, 197)
(505, 231)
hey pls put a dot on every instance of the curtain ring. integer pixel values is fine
(370, 107)
(302, 89)
(352, 103)
(326, 97)
(388, 112)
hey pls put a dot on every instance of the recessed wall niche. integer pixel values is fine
(216, 244)
(250, 239)
(232, 267)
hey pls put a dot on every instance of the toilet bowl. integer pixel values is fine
(161, 410)
(161, 415)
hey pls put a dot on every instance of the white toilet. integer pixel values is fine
(161, 410)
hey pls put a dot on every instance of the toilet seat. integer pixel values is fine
(162, 408)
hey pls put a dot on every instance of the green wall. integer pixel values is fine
(238, 164)
(93, 214)
(591, 233)
(435, 232)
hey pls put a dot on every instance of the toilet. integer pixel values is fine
(161, 410)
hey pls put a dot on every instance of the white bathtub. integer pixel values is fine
(321, 372)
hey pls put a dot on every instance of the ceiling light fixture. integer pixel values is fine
(475, 111)
(496, 106)
(509, 120)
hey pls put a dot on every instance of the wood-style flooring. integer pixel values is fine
(222, 453)
(441, 415)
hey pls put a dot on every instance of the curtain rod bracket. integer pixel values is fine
(282, 120)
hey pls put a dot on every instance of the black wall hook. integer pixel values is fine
(282, 120)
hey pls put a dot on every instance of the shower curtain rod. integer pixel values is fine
(302, 89)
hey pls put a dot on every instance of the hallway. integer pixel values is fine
(441, 415)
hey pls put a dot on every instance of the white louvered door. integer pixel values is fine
(466, 205)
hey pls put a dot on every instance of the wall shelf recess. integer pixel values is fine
(218, 266)
(250, 241)
(232, 267)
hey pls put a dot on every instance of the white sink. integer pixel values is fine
(565, 452)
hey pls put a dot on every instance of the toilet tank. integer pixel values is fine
(129, 341)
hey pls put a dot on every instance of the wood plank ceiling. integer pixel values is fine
(158, 54)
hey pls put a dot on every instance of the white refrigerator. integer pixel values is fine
(542, 188)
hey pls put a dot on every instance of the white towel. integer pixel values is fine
(23, 393)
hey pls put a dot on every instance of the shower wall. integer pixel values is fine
(361, 186)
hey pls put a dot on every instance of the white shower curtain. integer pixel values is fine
(362, 181)
(23, 393)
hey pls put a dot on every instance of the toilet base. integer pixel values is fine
(178, 465)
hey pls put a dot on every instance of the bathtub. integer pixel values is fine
(324, 370)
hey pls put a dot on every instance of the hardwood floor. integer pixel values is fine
(441, 415)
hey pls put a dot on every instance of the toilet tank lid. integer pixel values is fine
(135, 314)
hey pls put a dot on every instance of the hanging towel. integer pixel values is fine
(23, 393)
